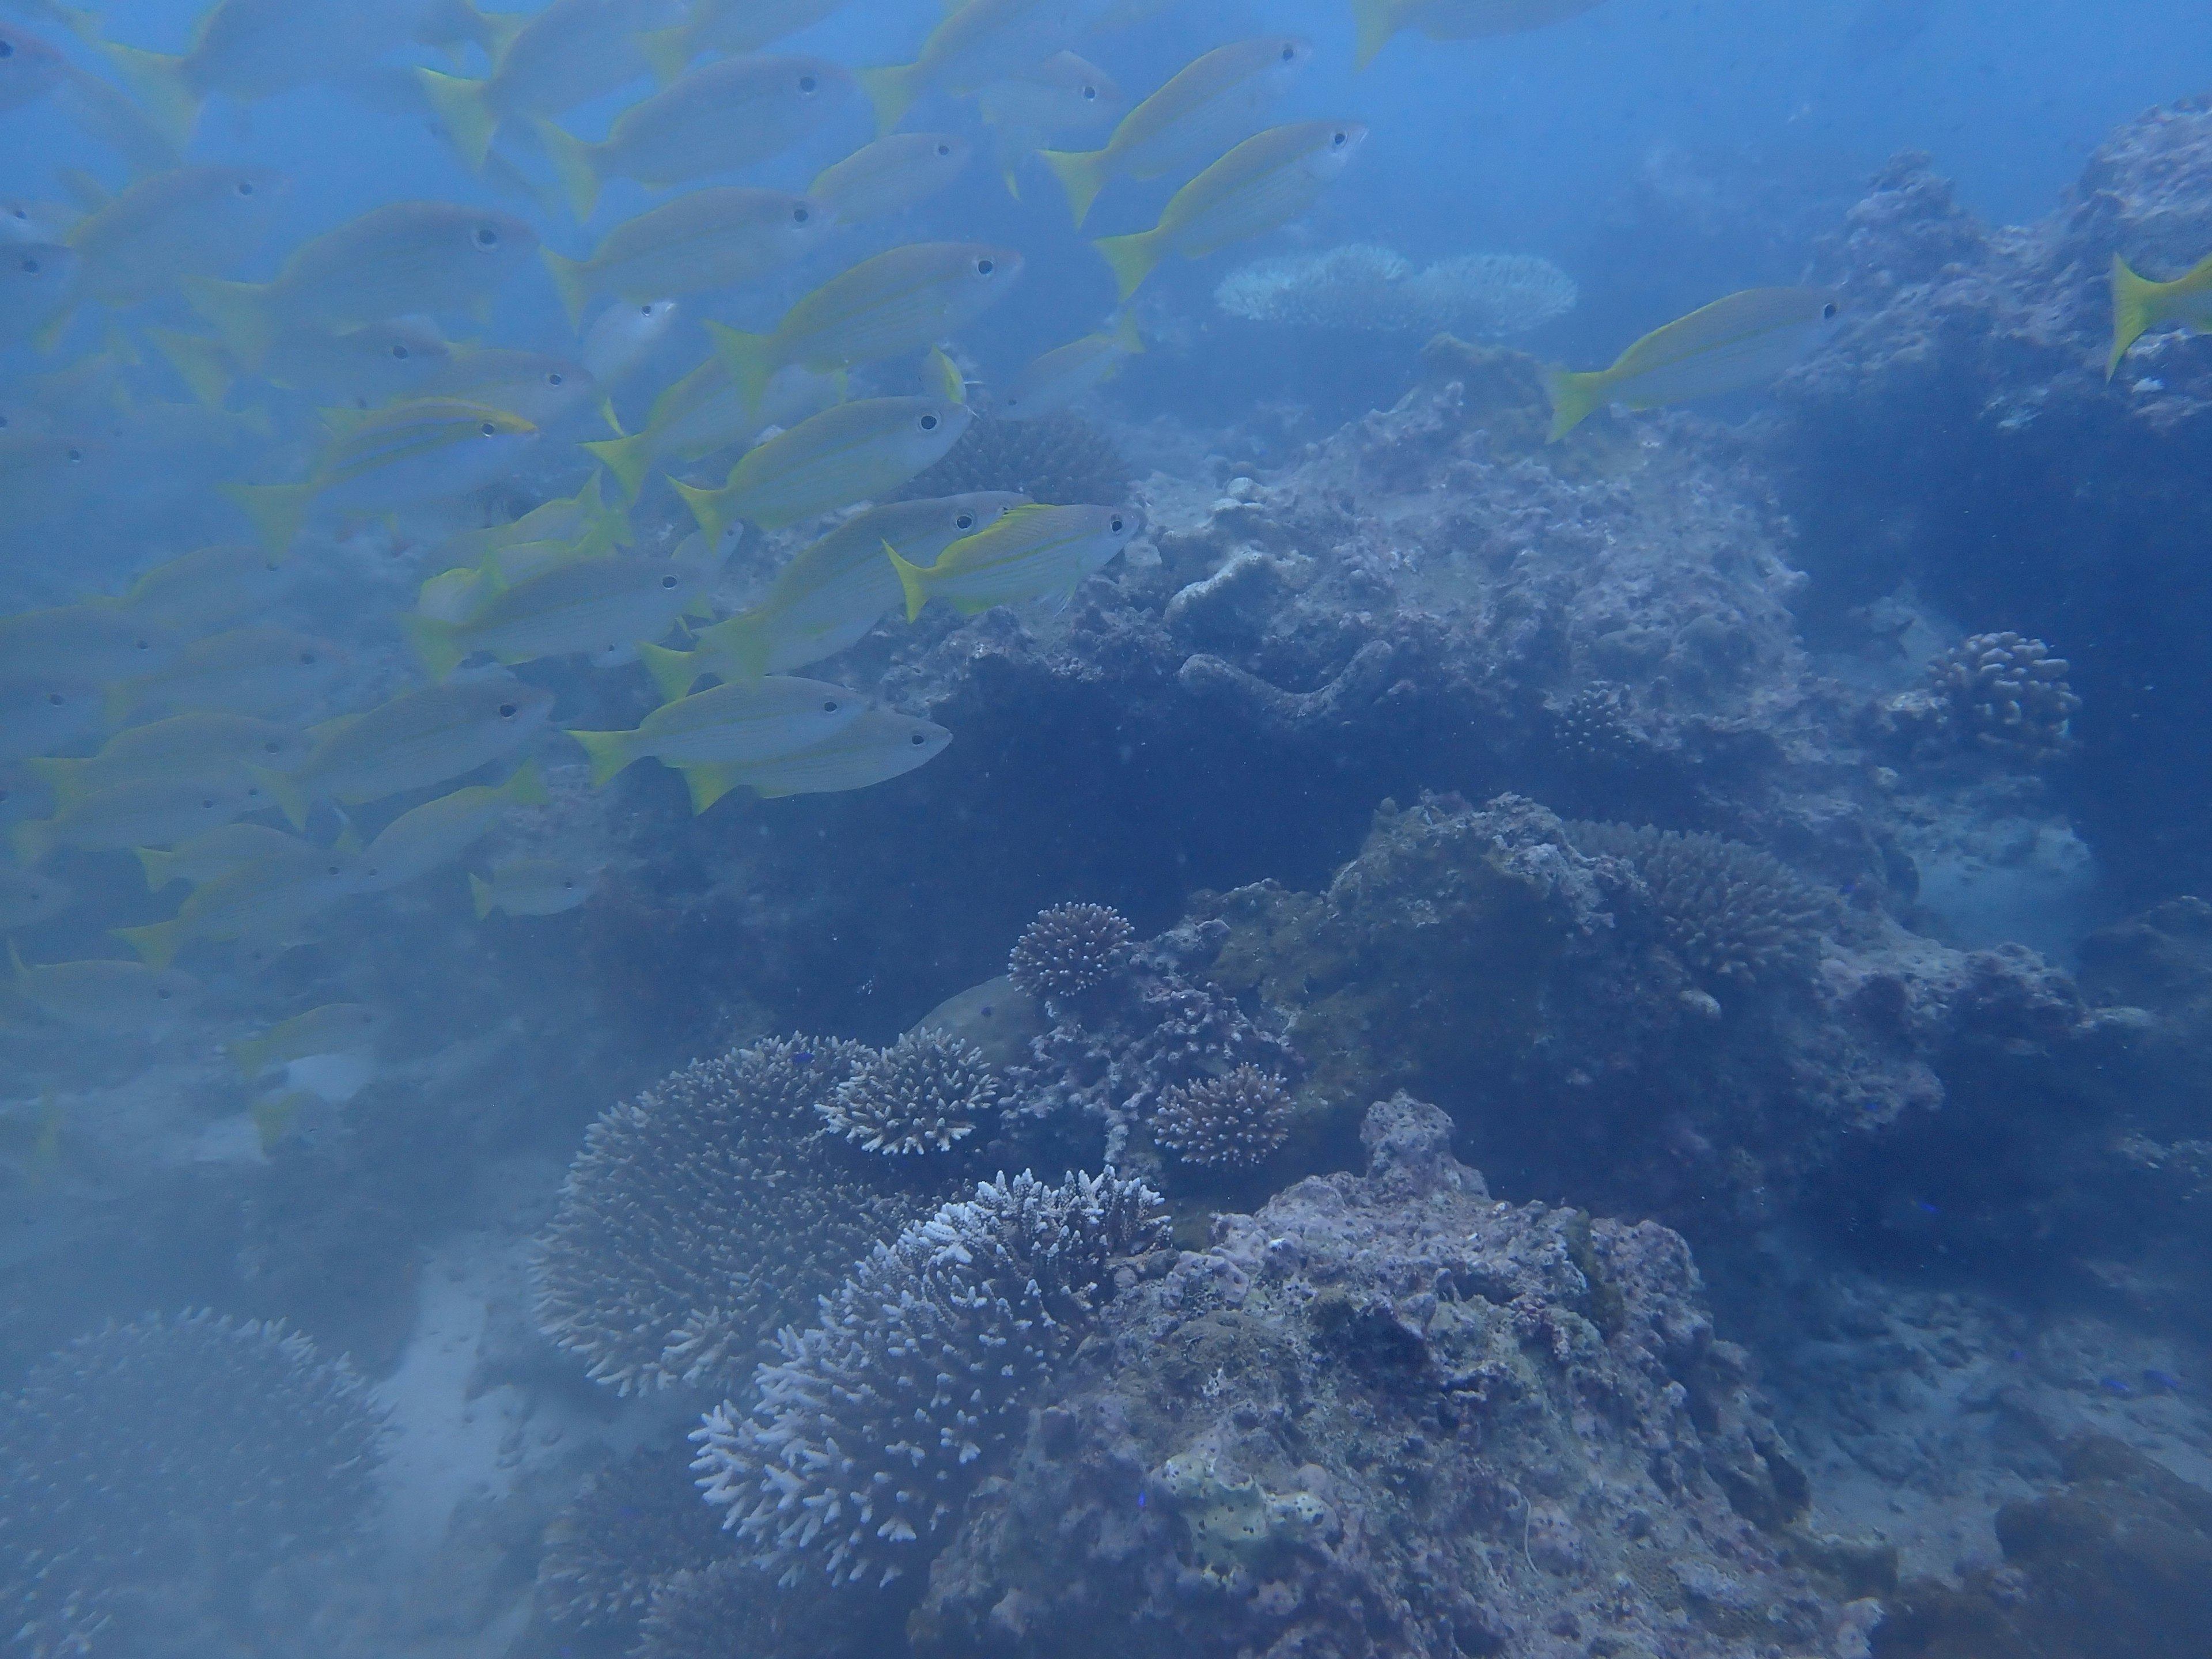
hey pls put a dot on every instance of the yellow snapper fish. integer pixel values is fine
(23, 220)
(622, 336)
(28, 898)
(982, 42)
(704, 412)
(427, 449)
(580, 607)
(1376, 20)
(192, 221)
(201, 591)
(729, 725)
(196, 748)
(1211, 103)
(891, 174)
(739, 26)
(216, 852)
(336, 1028)
(265, 898)
(532, 887)
(1734, 344)
(1027, 554)
(1267, 179)
(702, 241)
(36, 279)
(1062, 96)
(30, 69)
(733, 114)
(254, 669)
(584, 517)
(36, 718)
(1051, 382)
(843, 455)
(417, 739)
(82, 644)
(902, 300)
(567, 54)
(429, 836)
(878, 747)
(111, 116)
(458, 595)
(121, 998)
(541, 388)
(831, 593)
(349, 368)
(254, 49)
(401, 259)
(2139, 304)
(157, 813)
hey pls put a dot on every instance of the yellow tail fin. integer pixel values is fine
(709, 784)
(159, 81)
(913, 579)
(608, 751)
(1082, 174)
(480, 895)
(675, 673)
(892, 91)
(737, 648)
(628, 459)
(438, 645)
(277, 510)
(34, 838)
(1133, 257)
(708, 507)
(2134, 308)
(157, 945)
(241, 313)
(1375, 21)
(287, 792)
(1126, 338)
(748, 359)
(571, 280)
(199, 362)
(575, 164)
(1573, 396)
(526, 787)
(667, 52)
(251, 1056)
(468, 118)
(155, 863)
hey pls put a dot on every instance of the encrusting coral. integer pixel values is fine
(703, 1215)
(1229, 1122)
(874, 1424)
(1731, 910)
(1069, 949)
(1059, 459)
(141, 1453)
(925, 1092)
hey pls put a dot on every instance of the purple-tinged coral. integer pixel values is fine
(703, 1215)
(1070, 949)
(141, 1453)
(1229, 1123)
(1730, 910)
(870, 1430)
(923, 1094)
(628, 1527)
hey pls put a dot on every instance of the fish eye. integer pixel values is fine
(556, 378)
(929, 423)
(246, 187)
(400, 353)
(1827, 311)
(272, 747)
(1117, 523)
(209, 802)
(1090, 92)
(74, 456)
(487, 237)
(807, 83)
(31, 267)
(333, 869)
(141, 645)
(507, 711)
(55, 699)
(7, 48)
(985, 267)
(19, 211)
(918, 739)
(165, 992)
(828, 705)
(488, 428)
(3, 422)
(668, 581)
(646, 310)
(964, 522)
(1336, 139)
(308, 659)
(800, 216)
(945, 149)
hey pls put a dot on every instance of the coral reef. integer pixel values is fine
(1997, 693)
(728, 1611)
(1240, 1119)
(1069, 949)
(873, 1425)
(1388, 1414)
(1732, 911)
(1365, 287)
(628, 1529)
(923, 1094)
(143, 1454)
(1059, 458)
(704, 1214)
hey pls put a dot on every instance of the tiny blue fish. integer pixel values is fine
(2112, 1385)
(2159, 1379)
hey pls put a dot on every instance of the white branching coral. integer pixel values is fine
(1731, 910)
(869, 1431)
(1232, 1122)
(1369, 289)
(922, 1094)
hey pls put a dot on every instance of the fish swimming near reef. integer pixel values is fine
(727, 726)
(120, 999)
(1028, 553)
(2139, 303)
(427, 837)
(1734, 344)
(410, 742)
(700, 241)
(1051, 382)
(891, 175)
(534, 887)
(976, 44)
(880, 746)
(336, 1028)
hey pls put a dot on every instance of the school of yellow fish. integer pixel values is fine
(166, 715)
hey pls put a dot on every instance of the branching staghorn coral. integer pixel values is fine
(1069, 949)
(924, 1093)
(874, 1424)
(703, 1215)
(1371, 289)
(1731, 910)
(1228, 1122)
(140, 1454)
